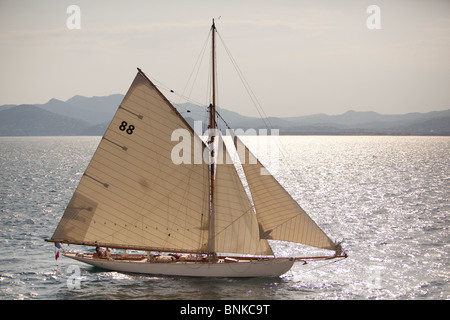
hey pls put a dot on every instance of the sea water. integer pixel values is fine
(386, 198)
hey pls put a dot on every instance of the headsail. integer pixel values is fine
(236, 227)
(279, 215)
(132, 194)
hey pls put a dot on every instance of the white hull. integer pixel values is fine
(243, 268)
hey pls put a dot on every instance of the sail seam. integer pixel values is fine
(147, 169)
(105, 165)
(122, 147)
(133, 113)
(130, 221)
(96, 180)
(137, 197)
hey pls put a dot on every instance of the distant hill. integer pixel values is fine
(348, 123)
(93, 110)
(91, 116)
(29, 120)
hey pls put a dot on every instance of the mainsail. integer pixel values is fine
(132, 194)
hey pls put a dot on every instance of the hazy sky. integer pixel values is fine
(299, 57)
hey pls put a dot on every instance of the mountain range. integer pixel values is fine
(90, 116)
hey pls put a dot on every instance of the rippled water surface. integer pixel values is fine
(386, 198)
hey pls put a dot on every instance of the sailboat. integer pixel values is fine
(180, 219)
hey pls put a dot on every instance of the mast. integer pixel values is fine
(212, 118)
(212, 128)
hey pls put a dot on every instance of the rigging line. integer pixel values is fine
(220, 116)
(283, 151)
(316, 268)
(187, 99)
(233, 135)
(236, 219)
(247, 87)
(196, 70)
(249, 90)
(326, 264)
(161, 86)
(197, 66)
(255, 101)
(242, 175)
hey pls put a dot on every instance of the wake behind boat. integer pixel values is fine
(192, 218)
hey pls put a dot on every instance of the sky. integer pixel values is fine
(299, 57)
